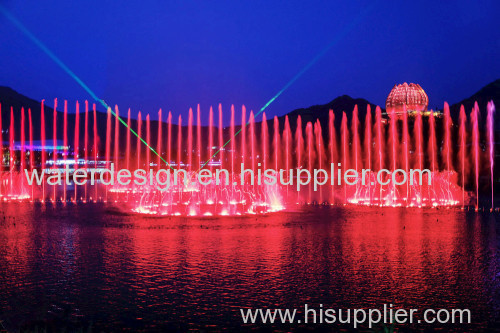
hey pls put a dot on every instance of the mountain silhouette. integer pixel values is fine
(10, 98)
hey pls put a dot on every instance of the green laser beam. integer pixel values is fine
(68, 71)
(337, 38)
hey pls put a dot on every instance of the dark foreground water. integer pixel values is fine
(94, 268)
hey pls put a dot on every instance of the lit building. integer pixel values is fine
(411, 96)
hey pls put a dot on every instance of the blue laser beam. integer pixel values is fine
(72, 74)
(66, 69)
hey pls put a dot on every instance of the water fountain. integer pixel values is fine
(491, 148)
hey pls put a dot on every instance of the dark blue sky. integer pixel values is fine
(174, 54)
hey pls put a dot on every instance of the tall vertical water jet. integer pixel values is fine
(418, 130)
(95, 146)
(54, 141)
(251, 121)
(491, 146)
(65, 144)
(405, 146)
(158, 140)
(368, 146)
(264, 140)
(463, 147)
(198, 137)
(138, 142)
(117, 138)
(432, 150)
(169, 138)
(288, 151)
(332, 146)
(42, 137)
(447, 137)
(179, 149)
(393, 136)
(179, 142)
(344, 132)
(210, 136)
(23, 151)
(108, 138)
(86, 142)
(368, 138)
(299, 146)
(76, 142)
(356, 146)
(148, 141)
(355, 138)
(379, 138)
(447, 144)
(475, 147)
(318, 135)
(11, 150)
(276, 142)
(432, 142)
(1, 149)
(310, 147)
(232, 142)
(221, 143)
(129, 128)
(243, 135)
(31, 149)
(190, 140)
(108, 144)
(417, 134)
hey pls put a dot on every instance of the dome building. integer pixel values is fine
(410, 95)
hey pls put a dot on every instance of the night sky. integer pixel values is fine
(174, 54)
